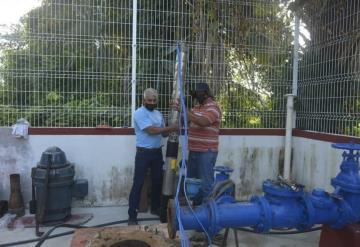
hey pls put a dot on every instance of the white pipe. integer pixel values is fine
(288, 135)
(133, 62)
(290, 114)
(296, 56)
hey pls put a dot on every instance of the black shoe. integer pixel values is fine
(132, 222)
(197, 201)
(155, 212)
(163, 216)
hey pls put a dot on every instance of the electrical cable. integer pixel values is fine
(183, 168)
(220, 188)
(183, 237)
(46, 235)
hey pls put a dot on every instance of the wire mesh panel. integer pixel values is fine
(161, 26)
(68, 62)
(329, 81)
(241, 48)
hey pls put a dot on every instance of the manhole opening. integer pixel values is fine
(131, 243)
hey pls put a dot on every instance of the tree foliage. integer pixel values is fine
(247, 58)
(69, 61)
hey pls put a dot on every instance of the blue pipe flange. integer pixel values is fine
(345, 185)
(347, 146)
(309, 213)
(321, 199)
(346, 214)
(265, 220)
(214, 226)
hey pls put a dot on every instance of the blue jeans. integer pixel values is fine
(201, 166)
(143, 161)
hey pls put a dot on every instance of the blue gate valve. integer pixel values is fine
(347, 182)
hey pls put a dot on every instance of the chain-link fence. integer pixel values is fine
(68, 63)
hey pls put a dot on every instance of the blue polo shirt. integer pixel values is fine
(144, 118)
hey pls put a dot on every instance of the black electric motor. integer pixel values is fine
(53, 187)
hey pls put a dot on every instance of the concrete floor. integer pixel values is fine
(107, 214)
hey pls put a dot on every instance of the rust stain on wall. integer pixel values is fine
(253, 165)
(15, 157)
(104, 191)
(281, 161)
(313, 166)
(249, 169)
(119, 186)
(229, 162)
(8, 165)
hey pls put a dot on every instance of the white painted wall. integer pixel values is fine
(253, 158)
(107, 162)
(315, 163)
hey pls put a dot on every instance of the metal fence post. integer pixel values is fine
(296, 56)
(133, 62)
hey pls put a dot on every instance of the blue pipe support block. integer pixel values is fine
(222, 173)
(282, 206)
(192, 186)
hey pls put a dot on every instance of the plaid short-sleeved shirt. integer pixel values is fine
(202, 139)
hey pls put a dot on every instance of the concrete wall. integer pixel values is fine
(107, 162)
(253, 158)
(315, 163)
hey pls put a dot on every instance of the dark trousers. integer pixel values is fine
(144, 160)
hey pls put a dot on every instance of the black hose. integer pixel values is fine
(46, 235)
(279, 232)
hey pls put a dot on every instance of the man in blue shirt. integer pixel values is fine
(149, 129)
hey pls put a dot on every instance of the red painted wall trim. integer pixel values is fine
(253, 132)
(241, 132)
(130, 131)
(325, 137)
(81, 131)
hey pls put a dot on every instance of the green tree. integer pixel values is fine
(69, 60)
(245, 53)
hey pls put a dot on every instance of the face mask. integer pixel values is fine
(150, 107)
(201, 98)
